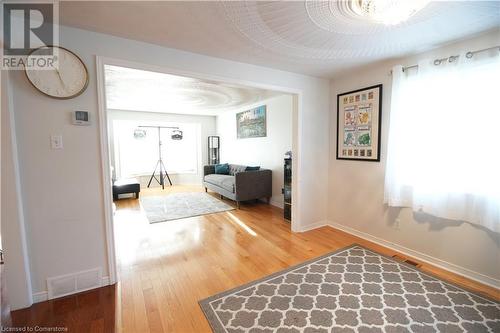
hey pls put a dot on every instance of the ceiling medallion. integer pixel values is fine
(311, 30)
(363, 17)
(388, 12)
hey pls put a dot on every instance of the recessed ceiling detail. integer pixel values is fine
(319, 38)
(140, 90)
(388, 12)
(342, 18)
(331, 30)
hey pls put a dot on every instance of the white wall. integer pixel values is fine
(266, 152)
(62, 189)
(206, 123)
(356, 189)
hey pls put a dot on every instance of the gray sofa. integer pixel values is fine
(239, 185)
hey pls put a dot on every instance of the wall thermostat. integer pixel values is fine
(81, 118)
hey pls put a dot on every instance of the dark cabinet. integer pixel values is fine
(287, 189)
(213, 150)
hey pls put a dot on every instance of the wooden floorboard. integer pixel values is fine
(166, 268)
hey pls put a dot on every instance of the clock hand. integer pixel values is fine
(60, 78)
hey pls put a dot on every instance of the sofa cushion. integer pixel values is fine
(252, 168)
(235, 168)
(222, 169)
(224, 181)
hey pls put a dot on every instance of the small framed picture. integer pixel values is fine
(359, 124)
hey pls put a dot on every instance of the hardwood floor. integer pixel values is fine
(165, 268)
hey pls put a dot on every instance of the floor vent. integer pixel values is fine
(398, 257)
(408, 261)
(411, 262)
(68, 284)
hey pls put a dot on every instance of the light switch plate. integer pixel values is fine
(56, 142)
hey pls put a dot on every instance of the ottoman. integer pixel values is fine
(129, 185)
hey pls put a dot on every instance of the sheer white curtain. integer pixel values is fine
(444, 140)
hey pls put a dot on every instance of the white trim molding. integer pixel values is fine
(106, 281)
(17, 276)
(277, 203)
(315, 225)
(459, 270)
(41, 296)
(105, 170)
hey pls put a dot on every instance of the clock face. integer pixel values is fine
(69, 80)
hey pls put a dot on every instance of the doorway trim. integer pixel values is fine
(104, 139)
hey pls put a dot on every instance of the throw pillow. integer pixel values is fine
(222, 169)
(252, 168)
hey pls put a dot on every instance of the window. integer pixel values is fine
(136, 155)
(443, 152)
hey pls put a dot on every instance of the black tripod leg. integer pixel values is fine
(162, 180)
(166, 174)
(153, 175)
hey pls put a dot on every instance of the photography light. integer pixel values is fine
(139, 133)
(176, 135)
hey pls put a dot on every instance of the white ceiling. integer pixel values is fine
(140, 90)
(311, 37)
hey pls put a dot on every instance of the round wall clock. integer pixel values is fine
(68, 81)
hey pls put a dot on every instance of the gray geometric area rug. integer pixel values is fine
(351, 290)
(181, 205)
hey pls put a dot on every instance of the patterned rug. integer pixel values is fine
(351, 290)
(181, 205)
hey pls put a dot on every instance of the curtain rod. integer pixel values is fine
(452, 58)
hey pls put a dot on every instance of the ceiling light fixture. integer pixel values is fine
(389, 12)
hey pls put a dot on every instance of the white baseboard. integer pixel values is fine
(312, 226)
(273, 202)
(459, 270)
(276, 203)
(43, 296)
(105, 281)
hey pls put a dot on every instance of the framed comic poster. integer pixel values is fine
(359, 118)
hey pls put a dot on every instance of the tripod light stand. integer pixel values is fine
(159, 164)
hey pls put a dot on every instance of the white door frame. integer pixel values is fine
(104, 140)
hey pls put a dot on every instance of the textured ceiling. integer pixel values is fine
(310, 37)
(139, 90)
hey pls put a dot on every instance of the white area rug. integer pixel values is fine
(181, 205)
